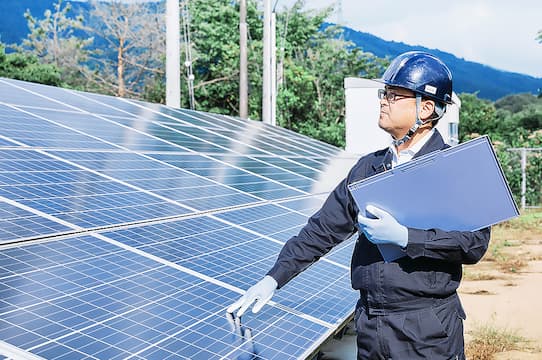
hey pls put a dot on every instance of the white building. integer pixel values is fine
(361, 116)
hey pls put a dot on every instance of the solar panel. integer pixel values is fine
(26, 129)
(137, 138)
(244, 173)
(74, 194)
(127, 228)
(16, 223)
(160, 178)
(15, 94)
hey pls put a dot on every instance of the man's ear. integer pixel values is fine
(427, 109)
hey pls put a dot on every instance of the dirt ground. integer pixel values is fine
(509, 300)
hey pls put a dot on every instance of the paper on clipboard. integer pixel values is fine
(460, 188)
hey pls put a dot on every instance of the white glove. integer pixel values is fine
(384, 229)
(260, 293)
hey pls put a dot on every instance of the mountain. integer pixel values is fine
(470, 77)
(13, 27)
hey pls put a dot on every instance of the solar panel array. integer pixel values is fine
(127, 228)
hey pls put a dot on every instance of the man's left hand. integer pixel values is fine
(384, 229)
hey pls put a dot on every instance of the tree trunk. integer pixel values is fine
(120, 69)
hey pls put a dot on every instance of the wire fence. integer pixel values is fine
(523, 170)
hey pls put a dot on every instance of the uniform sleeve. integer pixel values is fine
(332, 224)
(466, 247)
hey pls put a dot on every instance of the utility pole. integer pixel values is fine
(340, 19)
(243, 71)
(268, 61)
(173, 56)
(273, 69)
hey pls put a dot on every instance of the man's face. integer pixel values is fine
(397, 114)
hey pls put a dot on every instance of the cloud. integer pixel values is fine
(498, 33)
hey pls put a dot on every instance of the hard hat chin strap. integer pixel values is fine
(414, 127)
(439, 112)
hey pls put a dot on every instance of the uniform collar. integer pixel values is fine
(411, 150)
(435, 142)
(383, 157)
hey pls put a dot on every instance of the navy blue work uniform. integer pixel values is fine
(408, 308)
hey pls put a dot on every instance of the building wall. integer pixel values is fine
(361, 116)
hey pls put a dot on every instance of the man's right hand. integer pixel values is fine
(259, 294)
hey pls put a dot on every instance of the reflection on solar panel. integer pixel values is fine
(127, 228)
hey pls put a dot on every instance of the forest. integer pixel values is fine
(118, 48)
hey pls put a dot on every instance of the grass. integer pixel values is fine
(512, 233)
(478, 292)
(527, 226)
(488, 340)
(478, 276)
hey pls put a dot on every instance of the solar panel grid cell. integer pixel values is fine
(324, 294)
(12, 93)
(304, 141)
(184, 239)
(160, 178)
(109, 131)
(245, 139)
(233, 174)
(303, 145)
(204, 119)
(264, 219)
(294, 167)
(305, 205)
(17, 223)
(312, 162)
(227, 263)
(250, 135)
(27, 129)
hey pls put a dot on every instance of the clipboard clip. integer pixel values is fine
(415, 164)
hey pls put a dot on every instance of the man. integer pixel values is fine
(408, 308)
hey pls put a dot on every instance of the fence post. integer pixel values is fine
(524, 151)
(523, 177)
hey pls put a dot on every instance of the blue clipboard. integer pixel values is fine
(460, 188)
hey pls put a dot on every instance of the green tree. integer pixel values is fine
(516, 123)
(27, 68)
(476, 117)
(311, 63)
(58, 39)
(531, 118)
(481, 117)
(311, 100)
(215, 52)
(517, 102)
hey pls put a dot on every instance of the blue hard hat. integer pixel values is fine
(422, 73)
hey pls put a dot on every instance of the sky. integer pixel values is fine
(498, 33)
